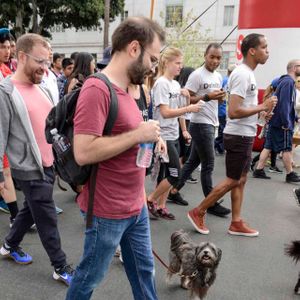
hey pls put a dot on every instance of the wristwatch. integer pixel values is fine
(206, 98)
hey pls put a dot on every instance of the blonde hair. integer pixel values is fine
(167, 55)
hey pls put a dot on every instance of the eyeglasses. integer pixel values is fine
(154, 60)
(41, 62)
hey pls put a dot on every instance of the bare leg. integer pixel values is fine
(9, 194)
(162, 188)
(237, 195)
(263, 158)
(287, 161)
(217, 193)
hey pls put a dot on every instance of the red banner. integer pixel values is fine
(269, 14)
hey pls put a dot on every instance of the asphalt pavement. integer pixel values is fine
(250, 269)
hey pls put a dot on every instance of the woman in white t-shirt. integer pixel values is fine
(167, 107)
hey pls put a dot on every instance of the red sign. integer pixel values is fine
(239, 54)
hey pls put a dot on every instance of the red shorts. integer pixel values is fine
(5, 162)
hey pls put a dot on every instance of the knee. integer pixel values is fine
(242, 181)
(231, 183)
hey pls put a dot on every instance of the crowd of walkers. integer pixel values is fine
(186, 106)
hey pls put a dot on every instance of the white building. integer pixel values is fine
(220, 19)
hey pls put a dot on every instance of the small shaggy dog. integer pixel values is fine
(293, 250)
(196, 264)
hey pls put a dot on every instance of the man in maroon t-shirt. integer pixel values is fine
(120, 215)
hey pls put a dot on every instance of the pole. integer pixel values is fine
(151, 9)
(106, 23)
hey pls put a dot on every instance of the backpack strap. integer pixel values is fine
(112, 116)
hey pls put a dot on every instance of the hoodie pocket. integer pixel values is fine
(25, 153)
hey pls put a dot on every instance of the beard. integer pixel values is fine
(35, 76)
(297, 74)
(137, 71)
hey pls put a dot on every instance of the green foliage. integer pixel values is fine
(192, 42)
(68, 13)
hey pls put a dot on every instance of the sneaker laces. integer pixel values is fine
(19, 251)
(66, 269)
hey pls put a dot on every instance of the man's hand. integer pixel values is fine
(161, 147)
(195, 107)
(185, 93)
(187, 136)
(148, 131)
(270, 104)
(217, 95)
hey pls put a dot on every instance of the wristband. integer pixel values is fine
(206, 98)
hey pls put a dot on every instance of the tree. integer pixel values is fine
(39, 15)
(191, 42)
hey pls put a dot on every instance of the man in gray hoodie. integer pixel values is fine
(24, 107)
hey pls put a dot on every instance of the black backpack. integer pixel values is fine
(61, 118)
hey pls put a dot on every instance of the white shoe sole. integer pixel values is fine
(195, 226)
(243, 234)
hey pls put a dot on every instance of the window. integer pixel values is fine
(124, 15)
(225, 60)
(228, 15)
(173, 15)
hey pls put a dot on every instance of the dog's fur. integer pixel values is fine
(293, 250)
(186, 257)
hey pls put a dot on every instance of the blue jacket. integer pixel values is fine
(284, 112)
(222, 106)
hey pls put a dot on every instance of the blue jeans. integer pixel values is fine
(219, 144)
(101, 241)
(202, 151)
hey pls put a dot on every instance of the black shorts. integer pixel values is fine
(279, 140)
(238, 155)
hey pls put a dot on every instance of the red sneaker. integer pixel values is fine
(197, 221)
(241, 228)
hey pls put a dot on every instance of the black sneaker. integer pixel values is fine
(192, 180)
(252, 166)
(219, 210)
(296, 193)
(292, 177)
(275, 170)
(176, 198)
(260, 174)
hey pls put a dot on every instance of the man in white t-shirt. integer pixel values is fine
(239, 134)
(49, 80)
(205, 84)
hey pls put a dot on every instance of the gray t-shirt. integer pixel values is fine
(166, 92)
(201, 82)
(242, 83)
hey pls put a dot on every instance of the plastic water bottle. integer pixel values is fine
(144, 155)
(61, 143)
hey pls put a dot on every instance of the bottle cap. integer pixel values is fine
(53, 131)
